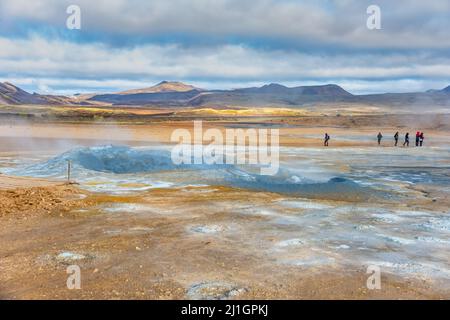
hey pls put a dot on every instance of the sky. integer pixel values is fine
(223, 44)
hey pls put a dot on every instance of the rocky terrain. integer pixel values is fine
(25, 201)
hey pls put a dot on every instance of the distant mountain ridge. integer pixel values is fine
(172, 98)
(273, 94)
(173, 93)
(163, 86)
(274, 88)
(12, 95)
(178, 94)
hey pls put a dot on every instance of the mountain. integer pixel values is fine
(324, 90)
(171, 93)
(275, 88)
(157, 98)
(445, 90)
(10, 94)
(274, 94)
(176, 93)
(164, 86)
(168, 93)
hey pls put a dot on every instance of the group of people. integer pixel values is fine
(419, 139)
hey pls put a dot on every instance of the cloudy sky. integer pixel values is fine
(124, 44)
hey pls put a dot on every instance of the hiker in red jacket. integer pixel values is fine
(421, 137)
(417, 138)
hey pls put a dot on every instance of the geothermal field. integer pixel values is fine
(141, 227)
(243, 152)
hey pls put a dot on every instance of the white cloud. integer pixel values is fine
(410, 52)
(39, 57)
(406, 23)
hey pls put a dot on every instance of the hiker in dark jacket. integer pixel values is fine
(421, 137)
(326, 139)
(406, 140)
(396, 138)
(379, 137)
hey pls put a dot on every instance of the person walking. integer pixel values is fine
(379, 137)
(406, 143)
(396, 138)
(417, 138)
(326, 139)
(421, 137)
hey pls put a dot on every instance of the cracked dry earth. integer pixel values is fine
(185, 243)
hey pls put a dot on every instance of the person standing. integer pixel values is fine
(406, 143)
(379, 137)
(396, 138)
(327, 138)
(417, 138)
(421, 137)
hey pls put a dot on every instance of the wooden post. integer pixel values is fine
(69, 165)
